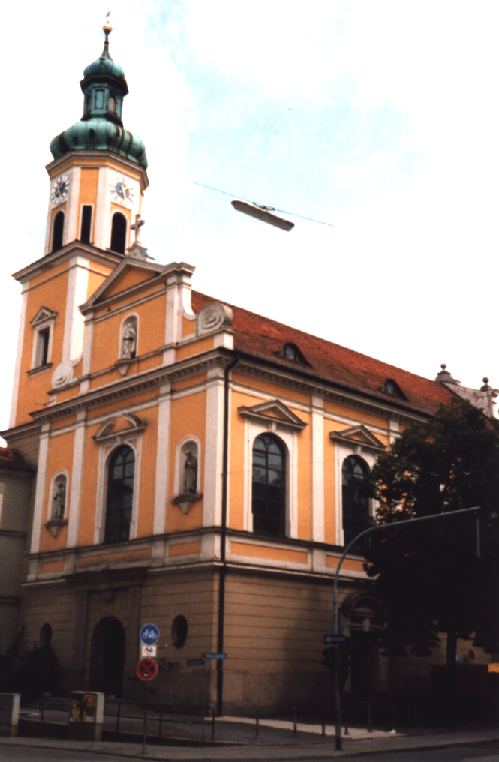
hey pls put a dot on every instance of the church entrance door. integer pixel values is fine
(107, 657)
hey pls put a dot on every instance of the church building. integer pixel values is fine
(198, 466)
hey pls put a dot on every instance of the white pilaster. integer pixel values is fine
(71, 232)
(76, 479)
(213, 462)
(317, 469)
(40, 489)
(20, 344)
(102, 228)
(72, 347)
(178, 304)
(162, 465)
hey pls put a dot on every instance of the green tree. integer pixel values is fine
(429, 575)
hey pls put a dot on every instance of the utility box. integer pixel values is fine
(86, 715)
(9, 713)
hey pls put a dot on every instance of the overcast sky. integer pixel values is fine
(380, 118)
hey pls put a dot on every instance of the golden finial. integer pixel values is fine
(107, 28)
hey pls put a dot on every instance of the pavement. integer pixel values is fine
(276, 741)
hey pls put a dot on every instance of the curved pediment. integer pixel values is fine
(120, 428)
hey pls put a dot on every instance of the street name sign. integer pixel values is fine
(215, 655)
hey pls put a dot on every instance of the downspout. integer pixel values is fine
(223, 539)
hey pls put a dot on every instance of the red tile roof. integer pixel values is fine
(11, 460)
(332, 363)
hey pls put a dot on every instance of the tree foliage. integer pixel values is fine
(429, 574)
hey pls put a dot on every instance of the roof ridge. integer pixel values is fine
(313, 336)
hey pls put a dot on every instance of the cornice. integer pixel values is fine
(105, 158)
(72, 249)
(127, 386)
(307, 383)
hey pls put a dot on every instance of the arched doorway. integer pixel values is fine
(107, 657)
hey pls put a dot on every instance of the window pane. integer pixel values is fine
(268, 487)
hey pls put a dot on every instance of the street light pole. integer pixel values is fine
(336, 611)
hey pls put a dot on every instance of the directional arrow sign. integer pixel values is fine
(147, 669)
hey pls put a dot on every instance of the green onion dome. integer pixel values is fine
(101, 128)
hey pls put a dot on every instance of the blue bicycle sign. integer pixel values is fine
(149, 634)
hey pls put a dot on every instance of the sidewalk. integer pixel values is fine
(303, 746)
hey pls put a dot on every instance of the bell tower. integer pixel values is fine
(98, 175)
(97, 180)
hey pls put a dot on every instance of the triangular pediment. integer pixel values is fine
(129, 276)
(44, 315)
(358, 436)
(273, 412)
(119, 428)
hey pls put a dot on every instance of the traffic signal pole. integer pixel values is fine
(337, 625)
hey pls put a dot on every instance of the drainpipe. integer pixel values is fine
(223, 537)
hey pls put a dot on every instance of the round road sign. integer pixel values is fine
(149, 634)
(147, 669)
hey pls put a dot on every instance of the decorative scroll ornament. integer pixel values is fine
(62, 375)
(213, 317)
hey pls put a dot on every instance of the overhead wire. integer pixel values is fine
(267, 208)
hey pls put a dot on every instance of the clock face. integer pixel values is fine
(122, 190)
(60, 189)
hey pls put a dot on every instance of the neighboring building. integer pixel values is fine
(198, 466)
(16, 479)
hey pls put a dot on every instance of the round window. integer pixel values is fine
(180, 629)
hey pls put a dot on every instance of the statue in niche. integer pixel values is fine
(190, 485)
(59, 498)
(129, 341)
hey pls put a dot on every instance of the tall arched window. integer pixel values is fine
(268, 502)
(119, 495)
(57, 231)
(118, 233)
(354, 497)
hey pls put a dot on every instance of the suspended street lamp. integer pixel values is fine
(263, 213)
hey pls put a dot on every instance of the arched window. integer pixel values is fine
(118, 233)
(128, 347)
(57, 231)
(46, 636)
(59, 497)
(268, 502)
(86, 223)
(354, 497)
(120, 478)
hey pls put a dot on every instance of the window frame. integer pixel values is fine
(252, 429)
(43, 324)
(111, 455)
(108, 440)
(281, 503)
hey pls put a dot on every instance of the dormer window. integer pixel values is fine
(292, 353)
(393, 389)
